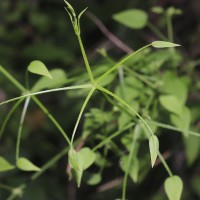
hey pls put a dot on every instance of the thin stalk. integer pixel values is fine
(169, 28)
(21, 126)
(53, 120)
(127, 105)
(85, 59)
(12, 110)
(135, 136)
(121, 62)
(167, 126)
(107, 139)
(6, 187)
(81, 113)
(28, 94)
(165, 164)
(157, 31)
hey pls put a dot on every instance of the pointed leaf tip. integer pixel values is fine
(5, 165)
(173, 187)
(26, 165)
(154, 148)
(164, 44)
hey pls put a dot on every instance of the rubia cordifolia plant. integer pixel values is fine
(133, 126)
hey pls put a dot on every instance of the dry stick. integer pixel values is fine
(108, 34)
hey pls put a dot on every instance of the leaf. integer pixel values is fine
(73, 159)
(5, 165)
(25, 165)
(157, 9)
(154, 148)
(133, 170)
(182, 121)
(37, 67)
(86, 157)
(59, 78)
(171, 103)
(164, 44)
(132, 18)
(93, 178)
(173, 187)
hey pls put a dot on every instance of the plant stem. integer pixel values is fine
(81, 113)
(8, 116)
(157, 31)
(6, 187)
(135, 136)
(37, 101)
(85, 59)
(21, 126)
(127, 105)
(106, 140)
(53, 120)
(169, 28)
(165, 164)
(121, 62)
(28, 94)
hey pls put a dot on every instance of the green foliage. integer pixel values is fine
(127, 104)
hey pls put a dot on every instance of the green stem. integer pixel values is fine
(48, 91)
(81, 113)
(135, 136)
(121, 62)
(169, 28)
(53, 120)
(21, 126)
(157, 31)
(85, 59)
(8, 116)
(107, 139)
(165, 164)
(6, 187)
(127, 105)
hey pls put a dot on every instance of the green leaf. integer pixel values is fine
(157, 9)
(86, 157)
(37, 67)
(59, 78)
(132, 18)
(154, 148)
(163, 44)
(182, 121)
(25, 165)
(5, 165)
(133, 170)
(93, 178)
(73, 159)
(173, 187)
(171, 103)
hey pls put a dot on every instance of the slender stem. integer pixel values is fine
(6, 187)
(127, 105)
(169, 27)
(167, 126)
(121, 62)
(12, 110)
(85, 59)
(53, 120)
(157, 31)
(21, 126)
(165, 164)
(81, 113)
(28, 94)
(12, 79)
(135, 136)
(107, 139)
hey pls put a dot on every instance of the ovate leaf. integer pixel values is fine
(154, 148)
(173, 187)
(5, 165)
(59, 78)
(38, 67)
(132, 18)
(25, 165)
(171, 103)
(163, 44)
(86, 157)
